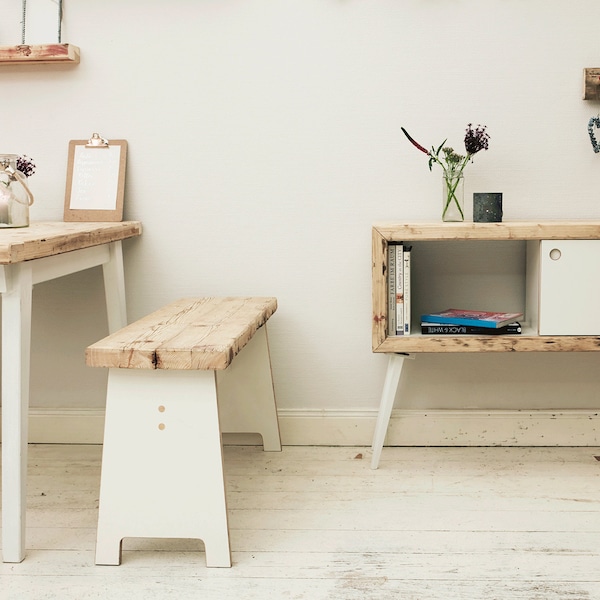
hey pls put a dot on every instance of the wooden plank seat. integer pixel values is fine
(173, 387)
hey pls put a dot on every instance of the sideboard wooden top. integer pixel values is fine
(48, 238)
(506, 230)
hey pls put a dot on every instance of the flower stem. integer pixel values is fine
(452, 181)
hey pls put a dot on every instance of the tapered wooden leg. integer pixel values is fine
(390, 386)
(114, 288)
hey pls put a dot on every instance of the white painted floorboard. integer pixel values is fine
(317, 523)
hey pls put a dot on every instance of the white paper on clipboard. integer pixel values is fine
(95, 178)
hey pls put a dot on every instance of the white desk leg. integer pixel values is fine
(390, 386)
(16, 343)
(114, 288)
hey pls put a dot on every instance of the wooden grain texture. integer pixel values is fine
(379, 287)
(384, 233)
(591, 84)
(188, 334)
(315, 523)
(39, 54)
(489, 343)
(506, 230)
(43, 239)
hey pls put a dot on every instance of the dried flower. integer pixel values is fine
(25, 165)
(476, 139)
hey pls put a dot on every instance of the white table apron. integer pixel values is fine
(16, 284)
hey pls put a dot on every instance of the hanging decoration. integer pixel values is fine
(594, 121)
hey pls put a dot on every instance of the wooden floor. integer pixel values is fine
(317, 523)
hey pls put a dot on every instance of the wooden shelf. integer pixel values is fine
(507, 231)
(39, 54)
(489, 343)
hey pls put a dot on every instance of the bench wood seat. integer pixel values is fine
(191, 333)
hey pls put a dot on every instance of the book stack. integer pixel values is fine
(454, 321)
(399, 289)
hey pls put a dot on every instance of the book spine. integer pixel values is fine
(441, 329)
(399, 289)
(406, 281)
(391, 304)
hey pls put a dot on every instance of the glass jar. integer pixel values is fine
(15, 195)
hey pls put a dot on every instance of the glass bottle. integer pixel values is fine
(15, 195)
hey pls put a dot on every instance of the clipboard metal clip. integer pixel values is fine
(97, 141)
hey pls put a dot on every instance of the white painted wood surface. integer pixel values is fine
(246, 395)
(317, 524)
(569, 287)
(155, 420)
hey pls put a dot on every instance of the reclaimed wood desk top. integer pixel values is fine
(48, 238)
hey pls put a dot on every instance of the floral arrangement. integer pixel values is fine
(25, 165)
(452, 163)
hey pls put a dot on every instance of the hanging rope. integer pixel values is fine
(23, 22)
(60, 16)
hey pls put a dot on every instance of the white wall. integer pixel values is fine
(264, 140)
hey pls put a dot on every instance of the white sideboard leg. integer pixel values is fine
(114, 288)
(390, 386)
(16, 342)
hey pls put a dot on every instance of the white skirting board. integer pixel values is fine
(355, 427)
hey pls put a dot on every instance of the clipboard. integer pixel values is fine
(95, 179)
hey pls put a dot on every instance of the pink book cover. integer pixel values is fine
(482, 318)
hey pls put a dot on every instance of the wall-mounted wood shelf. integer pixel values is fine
(39, 54)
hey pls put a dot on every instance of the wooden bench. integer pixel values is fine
(173, 387)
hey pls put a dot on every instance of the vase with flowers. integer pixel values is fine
(15, 195)
(453, 165)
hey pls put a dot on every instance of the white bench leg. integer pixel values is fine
(246, 396)
(162, 464)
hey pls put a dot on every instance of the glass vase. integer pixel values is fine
(15, 196)
(453, 197)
